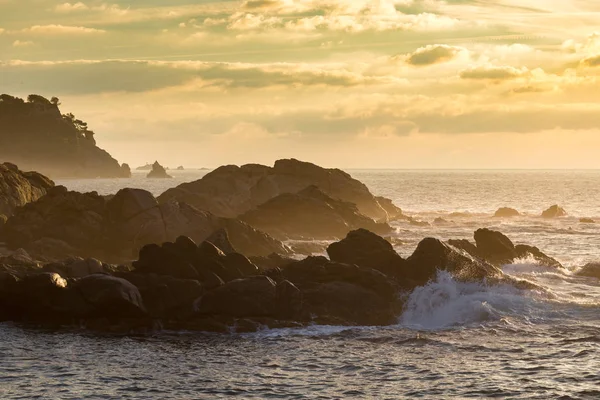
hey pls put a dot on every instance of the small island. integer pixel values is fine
(158, 172)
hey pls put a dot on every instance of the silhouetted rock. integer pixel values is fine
(18, 188)
(591, 270)
(63, 224)
(230, 190)
(495, 247)
(432, 255)
(37, 137)
(158, 171)
(309, 214)
(464, 244)
(524, 251)
(393, 212)
(220, 238)
(366, 249)
(554, 212)
(506, 212)
(180, 168)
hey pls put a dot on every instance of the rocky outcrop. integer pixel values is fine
(63, 224)
(309, 214)
(495, 247)
(506, 212)
(230, 190)
(554, 212)
(37, 137)
(366, 249)
(158, 172)
(18, 188)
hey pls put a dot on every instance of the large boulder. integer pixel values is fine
(554, 212)
(495, 247)
(506, 212)
(366, 249)
(230, 190)
(309, 214)
(336, 293)
(432, 255)
(18, 188)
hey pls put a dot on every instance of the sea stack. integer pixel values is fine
(158, 171)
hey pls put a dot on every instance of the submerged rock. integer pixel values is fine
(554, 212)
(587, 221)
(506, 212)
(230, 190)
(309, 214)
(158, 171)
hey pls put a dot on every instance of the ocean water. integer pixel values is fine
(454, 340)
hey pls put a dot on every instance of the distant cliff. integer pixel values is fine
(36, 136)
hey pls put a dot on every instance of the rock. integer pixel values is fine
(336, 293)
(180, 168)
(587, 221)
(165, 261)
(37, 137)
(367, 249)
(230, 191)
(393, 212)
(18, 188)
(265, 263)
(309, 214)
(440, 221)
(220, 238)
(158, 171)
(125, 171)
(249, 297)
(554, 212)
(524, 251)
(83, 268)
(309, 247)
(591, 270)
(432, 255)
(506, 212)
(495, 247)
(464, 244)
(110, 297)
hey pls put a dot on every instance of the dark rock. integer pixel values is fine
(523, 251)
(80, 268)
(220, 238)
(495, 247)
(249, 297)
(587, 221)
(309, 213)
(554, 212)
(591, 270)
(393, 212)
(506, 212)
(271, 261)
(432, 255)
(158, 171)
(366, 249)
(230, 191)
(464, 244)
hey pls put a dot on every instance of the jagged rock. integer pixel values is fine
(63, 224)
(495, 247)
(464, 244)
(523, 251)
(394, 212)
(35, 136)
(18, 188)
(432, 255)
(249, 297)
(309, 214)
(158, 171)
(230, 190)
(506, 212)
(366, 249)
(554, 212)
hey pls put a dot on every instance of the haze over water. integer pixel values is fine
(454, 339)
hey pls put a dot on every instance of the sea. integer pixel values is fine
(453, 340)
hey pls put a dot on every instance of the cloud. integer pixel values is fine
(592, 61)
(19, 43)
(497, 73)
(71, 7)
(433, 54)
(62, 30)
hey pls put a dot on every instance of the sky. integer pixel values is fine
(352, 84)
